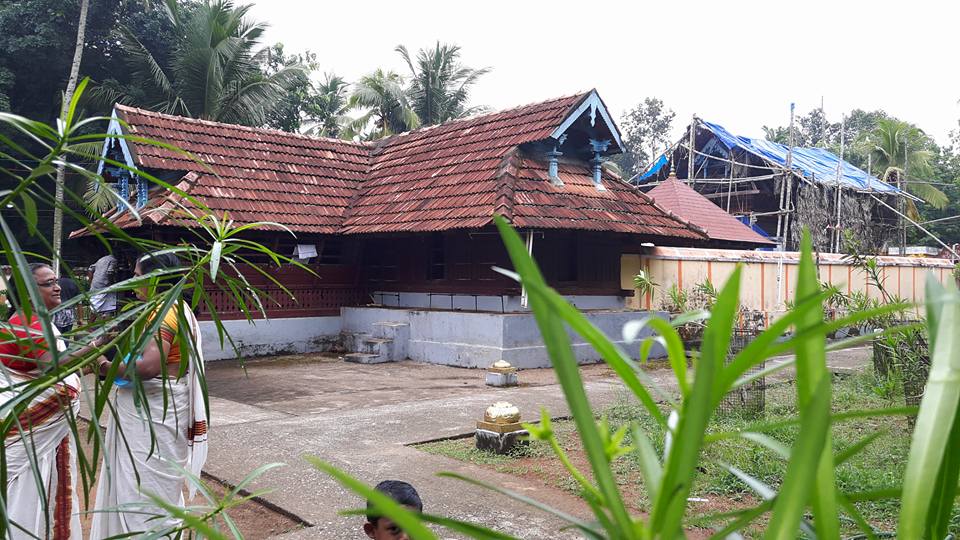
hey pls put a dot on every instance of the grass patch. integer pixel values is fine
(880, 465)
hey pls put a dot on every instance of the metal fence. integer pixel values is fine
(750, 399)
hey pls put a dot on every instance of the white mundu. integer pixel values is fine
(122, 505)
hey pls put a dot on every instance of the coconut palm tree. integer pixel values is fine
(61, 168)
(901, 151)
(213, 72)
(439, 85)
(326, 110)
(388, 110)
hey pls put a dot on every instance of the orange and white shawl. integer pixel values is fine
(41, 457)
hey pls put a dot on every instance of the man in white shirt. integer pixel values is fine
(104, 272)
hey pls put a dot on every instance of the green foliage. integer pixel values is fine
(211, 263)
(643, 284)
(326, 108)
(902, 155)
(42, 33)
(645, 129)
(291, 110)
(387, 107)
(213, 71)
(439, 87)
(707, 294)
(878, 465)
(678, 299)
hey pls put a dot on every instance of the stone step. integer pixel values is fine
(374, 345)
(398, 333)
(365, 358)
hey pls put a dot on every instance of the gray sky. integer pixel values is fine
(739, 63)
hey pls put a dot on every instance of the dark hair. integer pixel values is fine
(37, 266)
(153, 261)
(401, 492)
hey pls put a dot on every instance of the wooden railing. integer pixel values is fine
(306, 301)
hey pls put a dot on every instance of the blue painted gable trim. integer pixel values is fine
(116, 130)
(115, 133)
(594, 105)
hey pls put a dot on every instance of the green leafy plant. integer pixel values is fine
(643, 284)
(677, 300)
(32, 152)
(706, 294)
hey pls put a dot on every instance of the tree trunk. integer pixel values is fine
(61, 170)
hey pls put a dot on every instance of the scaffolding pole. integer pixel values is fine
(837, 231)
(783, 217)
(524, 297)
(692, 149)
(730, 184)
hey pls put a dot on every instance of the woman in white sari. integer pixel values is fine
(179, 440)
(40, 449)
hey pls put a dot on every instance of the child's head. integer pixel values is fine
(383, 528)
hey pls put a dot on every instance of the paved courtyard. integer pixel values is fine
(362, 418)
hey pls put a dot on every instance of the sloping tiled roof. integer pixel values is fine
(445, 177)
(578, 204)
(306, 183)
(453, 176)
(682, 200)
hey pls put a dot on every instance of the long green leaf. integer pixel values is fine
(565, 365)
(806, 455)
(932, 460)
(811, 371)
(681, 463)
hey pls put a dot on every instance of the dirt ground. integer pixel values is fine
(255, 520)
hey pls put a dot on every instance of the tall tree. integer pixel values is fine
(61, 168)
(387, 107)
(214, 69)
(944, 222)
(326, 110)
(902, 153)
(440, 85)
(289, 114)
(44, 33)
(646, 132)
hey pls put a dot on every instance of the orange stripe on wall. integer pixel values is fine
(786, 282)
(763, 288)
(913, 296)
(679, 274)
(710, 271)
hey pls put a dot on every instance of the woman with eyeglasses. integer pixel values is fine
(144, 446)
(41, 462)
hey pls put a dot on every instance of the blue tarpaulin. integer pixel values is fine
(813, 164)
(654, 169)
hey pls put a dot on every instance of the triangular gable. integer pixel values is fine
(602, 126)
